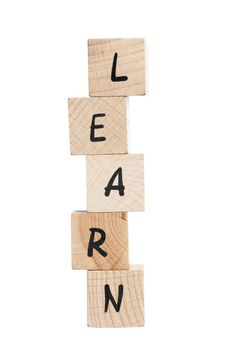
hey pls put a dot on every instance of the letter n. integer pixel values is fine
(109, 297)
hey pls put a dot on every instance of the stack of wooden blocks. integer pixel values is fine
(115, 183)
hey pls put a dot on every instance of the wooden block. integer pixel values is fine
(115, 183)
(116, 298)
(98, 125)
(99, 241)
(116, 67)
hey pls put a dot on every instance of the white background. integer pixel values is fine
(185, 128)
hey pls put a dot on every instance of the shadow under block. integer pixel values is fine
(117, 171)
(116, 67)
(130, 303)
(98, 125)
(108, 232)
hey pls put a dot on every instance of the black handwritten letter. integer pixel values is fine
(109, 297)
(113, 71)
(96, 244)
(120, 187)
(96, 126)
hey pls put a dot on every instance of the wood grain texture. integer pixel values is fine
(81, 111)
(130, 63)
(131, 313)
(99, 170)
(115, 226)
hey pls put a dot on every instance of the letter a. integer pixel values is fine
(120, 187)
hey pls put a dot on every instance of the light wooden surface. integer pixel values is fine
(131, 313)
(81, 111)
(115, 226)
(99, 170)
(130, 63)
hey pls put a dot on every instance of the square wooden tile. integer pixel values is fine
(116, 298)
(99, 241)
(98, 125)
(116, 67)
(104, 170)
